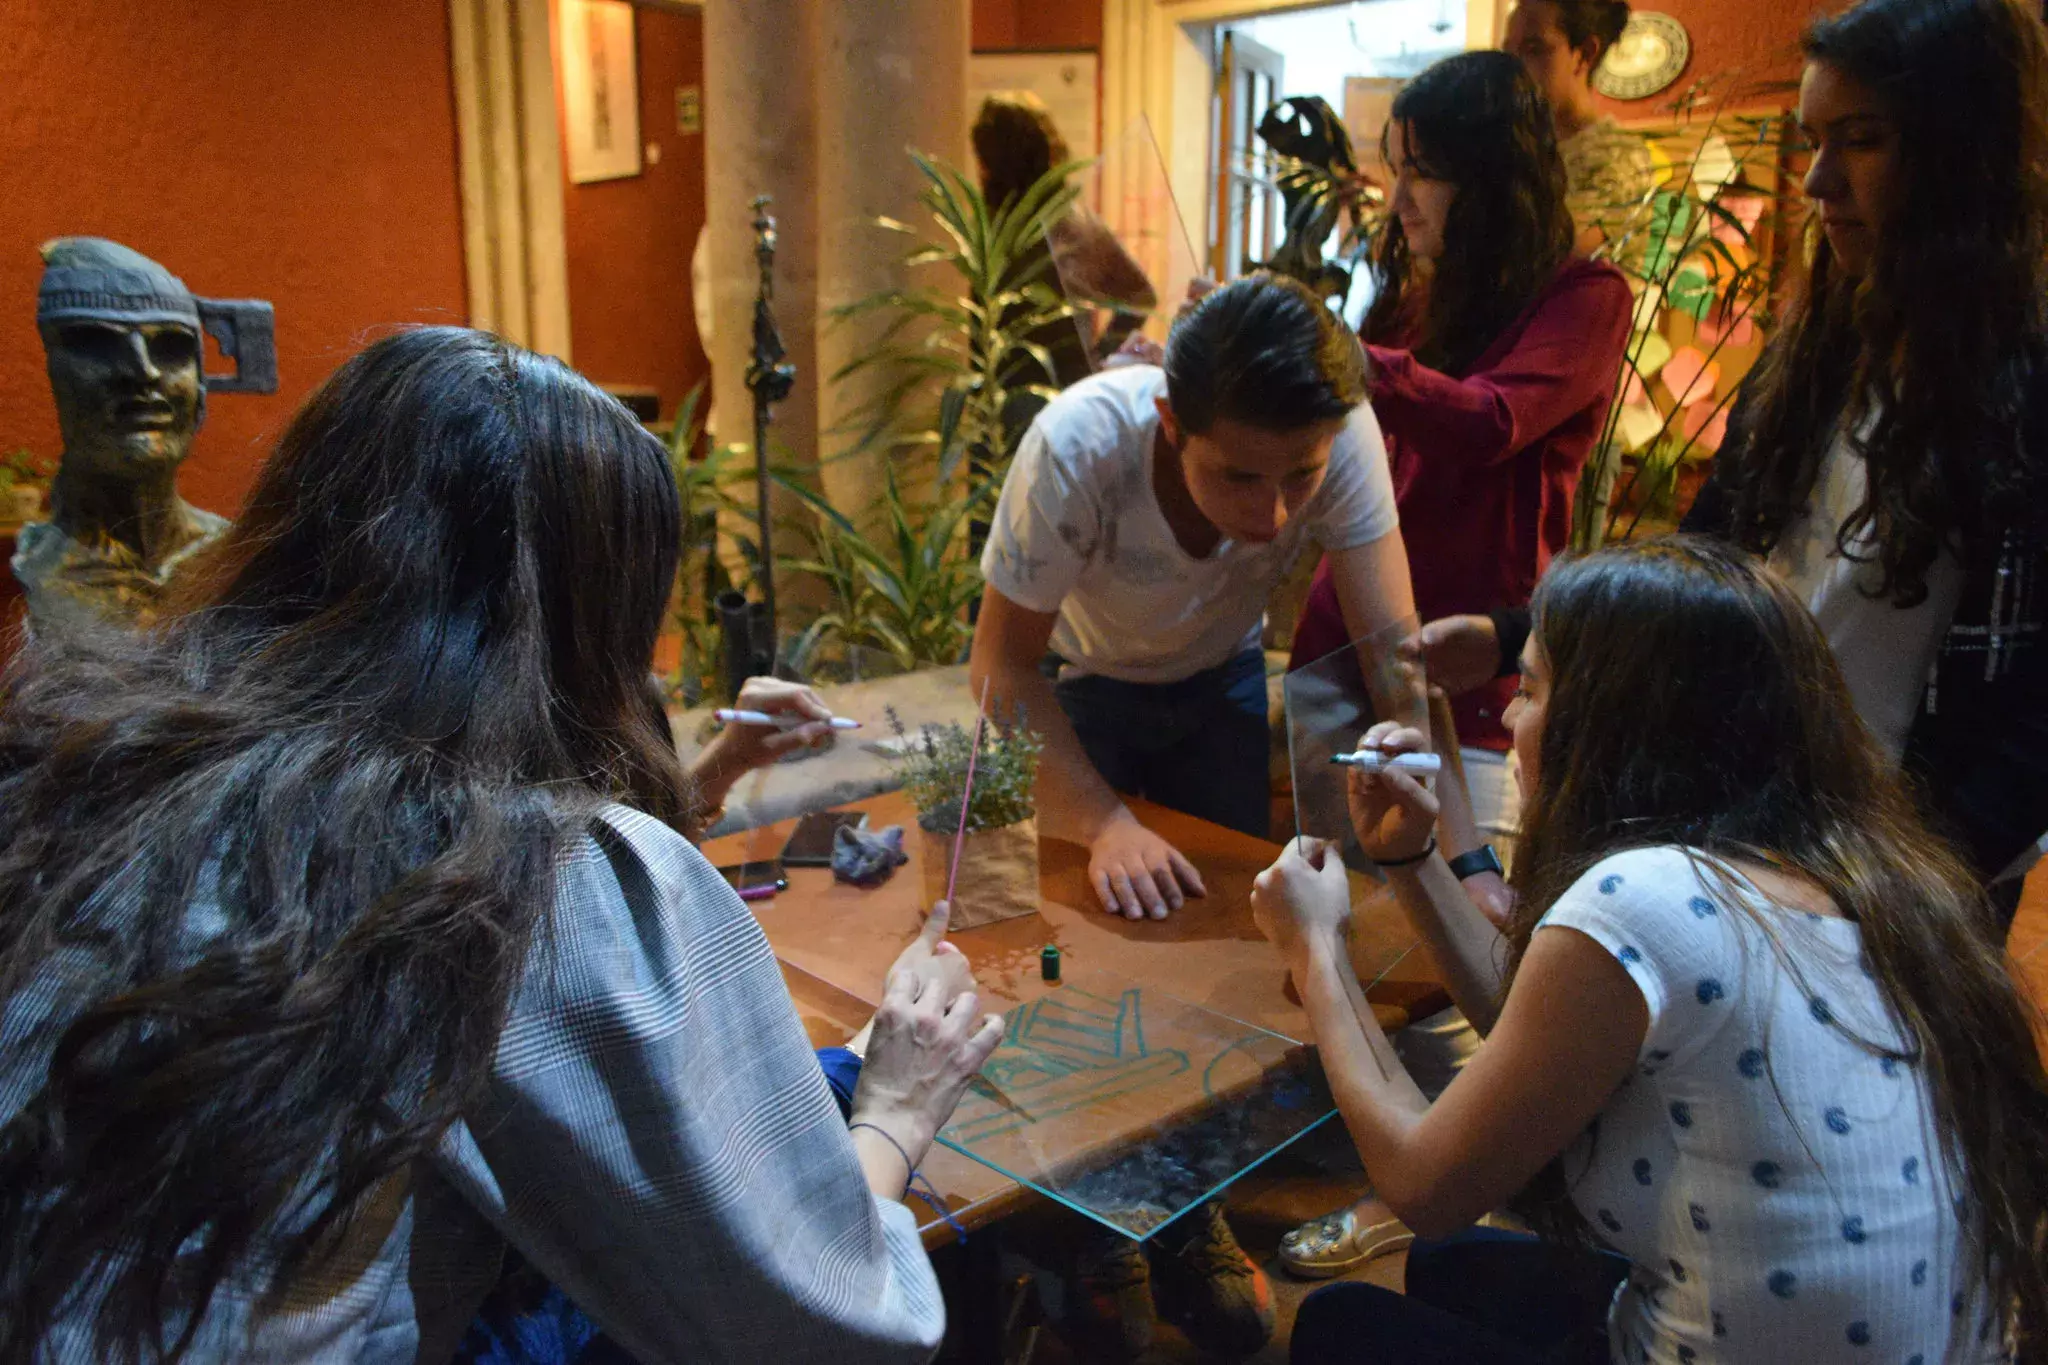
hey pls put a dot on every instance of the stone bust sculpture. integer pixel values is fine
(123, 340)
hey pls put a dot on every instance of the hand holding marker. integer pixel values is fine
(1380, 761)
(784, 722)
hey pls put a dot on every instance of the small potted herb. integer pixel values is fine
(998, 877)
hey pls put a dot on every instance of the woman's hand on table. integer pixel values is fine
(1136, 873)
(737, 750)
(1303, 902)
(1393, 814)
(926, 1042)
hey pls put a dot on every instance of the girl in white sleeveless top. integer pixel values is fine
(1750, 1064)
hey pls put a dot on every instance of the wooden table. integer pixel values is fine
(836, 942)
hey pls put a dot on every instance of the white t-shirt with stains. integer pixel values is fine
(1078, 531)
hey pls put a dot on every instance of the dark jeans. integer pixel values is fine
(1482, 1297)
(1199, 746)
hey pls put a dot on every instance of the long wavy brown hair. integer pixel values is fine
(1479, 122)
(1942, 345)
(1015, 144)
(272, 873)
(1694, 702)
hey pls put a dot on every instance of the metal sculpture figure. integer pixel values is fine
(122, 338)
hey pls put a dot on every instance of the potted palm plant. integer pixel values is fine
(997, 878)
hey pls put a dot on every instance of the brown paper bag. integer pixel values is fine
(998, 872)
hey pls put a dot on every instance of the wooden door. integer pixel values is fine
(1245, 217)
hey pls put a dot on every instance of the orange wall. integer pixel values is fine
(303, 153)
(1758, 40)
(629, 240)
(1001, 25)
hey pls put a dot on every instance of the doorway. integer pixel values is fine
(1353, 56)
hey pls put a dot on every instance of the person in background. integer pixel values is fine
(1762, 1082)
(1016, 144)
(1143, 525)
(1608, 170)
(1889, 453)
(354, 939)
(1493, 358)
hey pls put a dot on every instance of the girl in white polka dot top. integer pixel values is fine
(1749, 1064)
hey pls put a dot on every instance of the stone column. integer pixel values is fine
(892, 76)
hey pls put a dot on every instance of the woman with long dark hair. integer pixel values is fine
(352, 936)
(1750, 1057)
(1889, 454)
(1493, 359)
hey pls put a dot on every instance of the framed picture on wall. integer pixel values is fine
(1064, 80)
(600, 90)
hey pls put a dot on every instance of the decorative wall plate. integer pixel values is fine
(1653, 50)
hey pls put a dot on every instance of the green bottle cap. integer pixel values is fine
(1049, 962)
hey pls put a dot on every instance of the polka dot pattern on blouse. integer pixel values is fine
(1767, 1172)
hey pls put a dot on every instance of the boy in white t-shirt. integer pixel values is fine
(1146, 519)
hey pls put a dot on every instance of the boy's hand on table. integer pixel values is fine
(1136, 873)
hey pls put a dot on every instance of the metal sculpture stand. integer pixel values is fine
(769, 378)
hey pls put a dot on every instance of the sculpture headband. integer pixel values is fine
(90, 279)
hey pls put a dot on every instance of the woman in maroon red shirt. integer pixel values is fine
(1494, 353)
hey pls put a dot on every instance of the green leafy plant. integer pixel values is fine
(933, 765)
(970, 335)
(906, 589)
(1687, 250)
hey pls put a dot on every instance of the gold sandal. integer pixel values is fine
(1338, 1243)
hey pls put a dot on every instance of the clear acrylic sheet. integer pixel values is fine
(1130, 1106)
(1117, 1099)
(1127, 224)
(1330, 704)
(1120, 1100)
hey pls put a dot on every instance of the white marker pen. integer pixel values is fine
(1379, 761)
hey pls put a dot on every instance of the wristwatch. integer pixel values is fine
(1480, 859)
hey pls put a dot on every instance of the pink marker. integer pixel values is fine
(960, 835)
